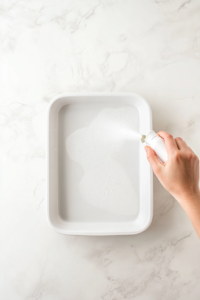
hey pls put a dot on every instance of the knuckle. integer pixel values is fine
(177, 155)
(191, 155)
(163, 133)
(168, 135)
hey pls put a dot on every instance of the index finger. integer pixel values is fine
(170, 143)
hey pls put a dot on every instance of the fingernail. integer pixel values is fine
(146, 148)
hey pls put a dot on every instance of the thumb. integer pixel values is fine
(153, 159)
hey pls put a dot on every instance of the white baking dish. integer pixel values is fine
(67, 210)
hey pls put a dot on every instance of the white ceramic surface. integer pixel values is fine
(67, 210)
(49, 47)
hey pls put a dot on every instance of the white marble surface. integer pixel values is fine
(54, 46)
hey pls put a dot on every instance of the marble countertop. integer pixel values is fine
(51, 47)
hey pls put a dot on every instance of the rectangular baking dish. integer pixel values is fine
(68, 212)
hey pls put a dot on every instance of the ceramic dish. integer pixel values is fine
(68, 209)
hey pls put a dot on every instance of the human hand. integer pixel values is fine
(180, 174)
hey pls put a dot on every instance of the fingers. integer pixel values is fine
(182, 144)
(178, 146)
(153, 160)
(170, 143)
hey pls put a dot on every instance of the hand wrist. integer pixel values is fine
(188, 200)
(191, 205)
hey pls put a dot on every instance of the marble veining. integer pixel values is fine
(54, 46)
